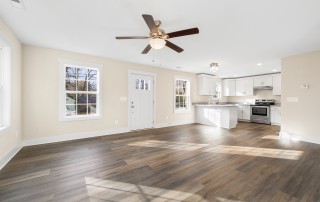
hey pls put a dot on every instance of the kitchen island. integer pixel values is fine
(220, 115)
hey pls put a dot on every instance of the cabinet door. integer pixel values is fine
(206, 85)
(261, 81)
(277, 85)
(239, 112)
(246, 113)
(229, 87)
(240, 91)
(275, 116)
(248, 87)
(267, 80)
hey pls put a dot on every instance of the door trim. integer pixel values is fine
(143, 73)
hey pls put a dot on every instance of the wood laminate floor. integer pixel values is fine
(183, 163)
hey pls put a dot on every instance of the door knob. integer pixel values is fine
(132, 106)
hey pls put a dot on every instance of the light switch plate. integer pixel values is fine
(292, 99)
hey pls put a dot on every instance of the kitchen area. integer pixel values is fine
(255, 99)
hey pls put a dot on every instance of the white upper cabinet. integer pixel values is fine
(244, 87)
(229, 87)
(262, 81)
(206, 84)
(277, 84)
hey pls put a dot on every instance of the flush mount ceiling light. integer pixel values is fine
(214, 67)
(259, 64)
(157, 43)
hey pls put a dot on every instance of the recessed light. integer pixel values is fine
(274, 70)
(259, 64)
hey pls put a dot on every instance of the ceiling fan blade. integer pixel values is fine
(147, 49)
(184, 32)
(132, 37)
(150, 22)
(173, 46)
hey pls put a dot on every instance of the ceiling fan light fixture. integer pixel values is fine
(157, 43)
(214, 67)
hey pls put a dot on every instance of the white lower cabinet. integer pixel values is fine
(244, 112)
(275, 115)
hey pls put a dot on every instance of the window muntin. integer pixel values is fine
(182, 95)
(81, 92)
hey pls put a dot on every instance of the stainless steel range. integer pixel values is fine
(260, 111)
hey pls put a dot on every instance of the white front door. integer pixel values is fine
(141, 101)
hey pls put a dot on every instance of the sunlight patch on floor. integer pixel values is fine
(256, 151)
(226, 200)
(271, 137)
(120, 191)
(169, 145)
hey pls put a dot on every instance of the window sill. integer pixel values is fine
(80, 118)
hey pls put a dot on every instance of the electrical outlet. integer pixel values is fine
(116, 122)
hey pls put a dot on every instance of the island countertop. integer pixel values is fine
(213, 105)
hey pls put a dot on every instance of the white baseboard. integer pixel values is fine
(76, 136)
(285, 135)
(9, 155)
(73, 136)
(177, 123)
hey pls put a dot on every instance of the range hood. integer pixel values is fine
(263, 87)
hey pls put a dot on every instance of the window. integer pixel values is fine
(5, 86)
(182, 95)
(81, 92)
(142, 84)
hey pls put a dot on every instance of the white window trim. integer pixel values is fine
(174, 94)
(62, 101)
(5, 73)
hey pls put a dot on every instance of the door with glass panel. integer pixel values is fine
(141, 101)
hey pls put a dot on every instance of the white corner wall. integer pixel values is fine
(41, 96)
(9, 141)
(301, 119)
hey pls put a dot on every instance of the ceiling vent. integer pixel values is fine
(17, 3)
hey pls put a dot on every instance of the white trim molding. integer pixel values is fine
(73, 136)
(7, 157)
(294, 137)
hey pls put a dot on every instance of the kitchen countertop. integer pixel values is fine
(213, 105)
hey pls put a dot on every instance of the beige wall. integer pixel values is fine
(41, 94)
(301, 118)
(258, 94)
(10, 139)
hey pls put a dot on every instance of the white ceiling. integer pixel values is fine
(237, 34)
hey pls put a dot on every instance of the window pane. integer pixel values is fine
(71, 98)
(142, 85)
(92, 75)
(137, 84)
(147, 84)
(81, 109)
(71, 110)
(82, 85)
(82, 98)
(92, 85)
(82, 73)
(92, 109)
(71, 73)
(70, 84)
(92, 99)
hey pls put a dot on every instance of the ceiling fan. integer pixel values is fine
(158, 38)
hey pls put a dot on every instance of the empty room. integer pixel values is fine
(119, 100)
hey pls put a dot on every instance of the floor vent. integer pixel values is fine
(17, 3)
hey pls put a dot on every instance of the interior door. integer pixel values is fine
(141, 101)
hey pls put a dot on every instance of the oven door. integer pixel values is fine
(260, 114)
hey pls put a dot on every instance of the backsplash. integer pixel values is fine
(258, 94)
